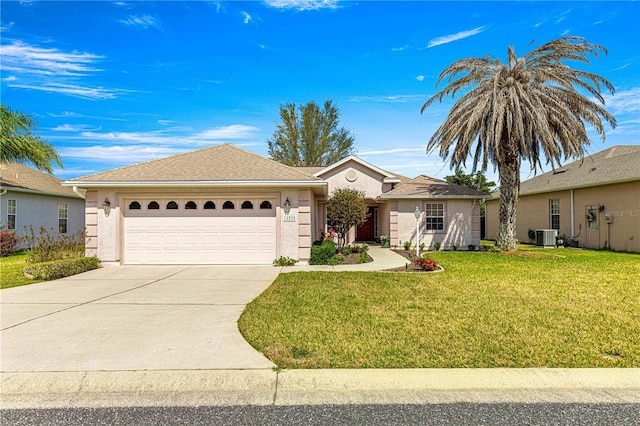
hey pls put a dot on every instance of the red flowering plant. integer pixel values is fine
(425, 263)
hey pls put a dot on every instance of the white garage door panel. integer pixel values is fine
(200, 240)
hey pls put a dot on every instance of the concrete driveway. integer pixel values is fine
(133, 318)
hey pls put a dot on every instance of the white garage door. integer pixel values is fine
(185, 232)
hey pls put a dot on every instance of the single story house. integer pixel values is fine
(594, 202)
(224, 204)
(32, 198)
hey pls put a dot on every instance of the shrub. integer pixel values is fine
(322, 252)
(8, 242)
(363, 257)
(338, 258)
(437, 245)
(471, 247)
(454, 247)
(425, 263)
(422, 245)
(46, 246)
(62, 268)
(284, 261)
(346, 251)
(407, 245)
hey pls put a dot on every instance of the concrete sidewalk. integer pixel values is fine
(316, 387)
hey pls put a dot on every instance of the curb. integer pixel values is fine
(317, 387)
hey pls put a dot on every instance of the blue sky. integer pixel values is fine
(116, 83)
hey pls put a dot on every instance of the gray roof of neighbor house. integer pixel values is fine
(427, 187)
(221, 163)
(16, 177)
(620, 163)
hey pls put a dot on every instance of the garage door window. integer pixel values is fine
(265, 205)
(247, 205)
(134, 205)
(228, 205)
(153, 206)
(209, 205)
(191, 205)
(172, 205)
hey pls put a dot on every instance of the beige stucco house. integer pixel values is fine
(595, 202)
(224, 204)
(29, 198)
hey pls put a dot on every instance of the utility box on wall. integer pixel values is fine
(546, 237)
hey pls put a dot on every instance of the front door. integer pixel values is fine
(593, 231)
(367, 231)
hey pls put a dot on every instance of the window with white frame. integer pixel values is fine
(62, 218)
(554, 214)
(12, 210)
(434, 217)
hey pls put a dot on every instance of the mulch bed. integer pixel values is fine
(410, 266)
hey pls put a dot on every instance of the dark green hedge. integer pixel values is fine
(321, 253)
(62, 268)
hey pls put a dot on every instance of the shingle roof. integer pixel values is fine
(18, 177)
(617, 164)
(217, 163)
(426, 186)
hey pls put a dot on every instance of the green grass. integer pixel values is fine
(11, 271)
(564, 308)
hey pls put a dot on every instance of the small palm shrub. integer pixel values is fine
(407, 245)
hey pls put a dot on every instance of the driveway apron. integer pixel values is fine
(133, 318)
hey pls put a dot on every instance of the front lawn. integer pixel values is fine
(565, 308)
(11, 271)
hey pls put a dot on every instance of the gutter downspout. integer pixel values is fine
(573, 233)
(75, 189)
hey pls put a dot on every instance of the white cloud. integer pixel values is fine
(247, 17)
(302, 4)
(625, 101)
(72, 128)
(399, 49)
(388, 98)
(126, 154)
(165, 122)
(23, 58)
(391, 151)
(206, 137)
(78, 91)
(10, 78)
(420, 77)
(53, 70)
(454, 37)
(145, 22)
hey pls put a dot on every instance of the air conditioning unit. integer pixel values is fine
(546, 237)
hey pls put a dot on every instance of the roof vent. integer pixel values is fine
(593, 169)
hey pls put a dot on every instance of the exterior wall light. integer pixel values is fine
(287, 206)
(106, 206)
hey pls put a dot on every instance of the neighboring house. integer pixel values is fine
(226, 205)
(595, 202)
(32, 198)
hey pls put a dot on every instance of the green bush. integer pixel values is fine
(322, 252)
(284, 261)
(407, 245)
(62, 268)
(363, 257)
(8, 242)
(336, 260)
(49, 245)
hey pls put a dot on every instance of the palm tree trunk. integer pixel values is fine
(509, 171)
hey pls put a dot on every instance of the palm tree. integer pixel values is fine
(532, 108)
(19, 145)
